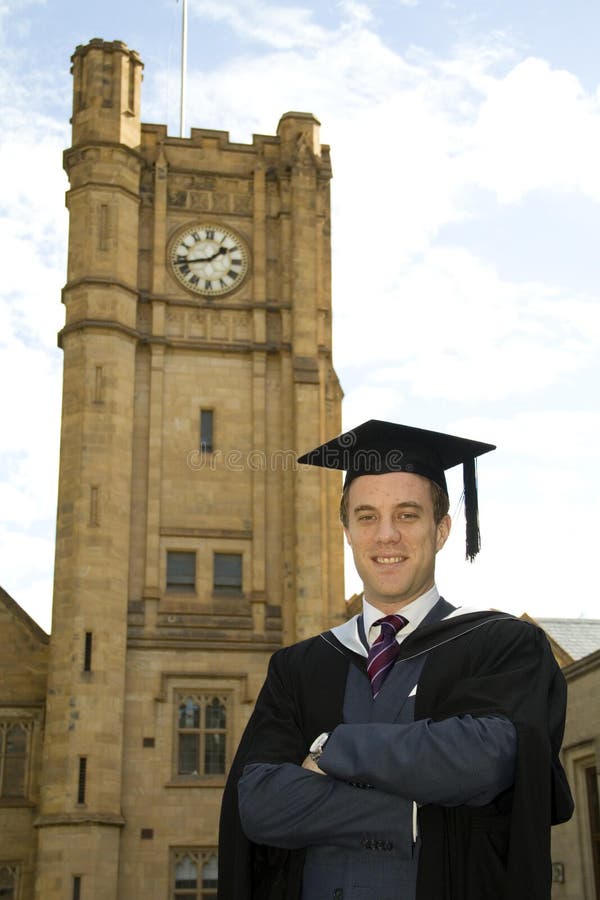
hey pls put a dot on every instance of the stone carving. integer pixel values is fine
(219, 326)
(220, 202)
(197, 324)
(175, 323)
(242, 205)
(241, 326)
(199, 200)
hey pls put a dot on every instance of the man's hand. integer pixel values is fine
(312, 766)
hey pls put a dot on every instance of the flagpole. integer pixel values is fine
(183, 67)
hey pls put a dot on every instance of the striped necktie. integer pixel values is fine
(384, 651)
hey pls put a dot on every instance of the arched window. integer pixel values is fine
(8, 881)
(215, 734)
(195, 874)
(186, 878)
(202, 735)
(14, 751)
(210, 871)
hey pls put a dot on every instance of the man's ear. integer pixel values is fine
(347, 533)
(443, 530)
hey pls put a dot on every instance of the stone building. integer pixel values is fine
(197, 364)
(576, 844)
(23, 685)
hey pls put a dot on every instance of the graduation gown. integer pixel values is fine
(477, 664)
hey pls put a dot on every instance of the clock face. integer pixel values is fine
(209, 259)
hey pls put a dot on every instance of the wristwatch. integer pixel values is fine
(318, 745)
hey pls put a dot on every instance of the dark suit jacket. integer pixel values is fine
(478, 665)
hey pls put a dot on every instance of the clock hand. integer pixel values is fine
(193, 259)
(219, 252)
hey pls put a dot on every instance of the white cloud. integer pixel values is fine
(538, 511)
(35, 593)
(9, 10)
(412, 136)
(536, 129)
(449, 327)
(368, 401)
(545, 438)
(278, 26)
(411, 139)
(33, 232)
(26, 562)
(31, 381)
(355, 14)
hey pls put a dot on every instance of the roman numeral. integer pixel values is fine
(232, 273)
(208, 286)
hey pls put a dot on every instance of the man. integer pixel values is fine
(411, 753)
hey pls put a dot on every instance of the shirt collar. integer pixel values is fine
(415, 612)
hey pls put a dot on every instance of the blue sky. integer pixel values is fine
(466, 133)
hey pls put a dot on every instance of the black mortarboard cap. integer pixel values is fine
(376, 447)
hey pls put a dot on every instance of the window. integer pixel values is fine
(14, 752)
(206, 430)
(181, 571)
(9, 876)
(87, 652)
(593, 803)
(201, 734)
(227, 573)
(76, 887)
(81, 779)
(194, 874)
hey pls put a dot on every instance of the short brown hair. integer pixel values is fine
(439, 497)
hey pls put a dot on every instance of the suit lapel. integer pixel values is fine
(394, 702)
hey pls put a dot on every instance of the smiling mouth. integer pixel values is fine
(389, 560)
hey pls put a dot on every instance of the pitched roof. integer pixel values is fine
(579, 637)
(24, 618)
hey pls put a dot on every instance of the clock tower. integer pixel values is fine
(197, 365)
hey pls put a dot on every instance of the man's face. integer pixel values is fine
(394, 537)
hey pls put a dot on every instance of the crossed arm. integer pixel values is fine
(459, 760)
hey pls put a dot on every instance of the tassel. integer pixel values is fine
(471, 508)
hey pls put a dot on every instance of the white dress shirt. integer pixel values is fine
(415, 612)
